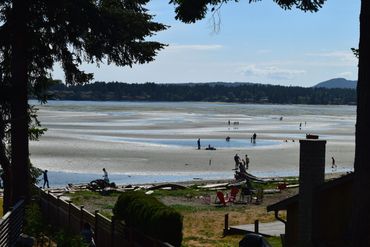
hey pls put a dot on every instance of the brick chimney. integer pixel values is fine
(311, 174)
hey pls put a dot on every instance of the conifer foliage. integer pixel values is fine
(36, 34)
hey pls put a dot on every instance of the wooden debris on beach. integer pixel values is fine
(292, 186)
(271, 191)
(214, 186)
(167, 186)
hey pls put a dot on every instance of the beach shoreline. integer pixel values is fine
(150, 139)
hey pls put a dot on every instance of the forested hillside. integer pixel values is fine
(211, 92)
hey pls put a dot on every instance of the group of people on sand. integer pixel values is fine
(228, 138)
(234, 123)
(253, 138)
(241, 164)
(209, 147)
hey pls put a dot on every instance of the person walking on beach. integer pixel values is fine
(105, 175)
(333, 165)
(198, 142)
(237, 161)
(46, 179)
(300, 126)
(246, 162)
(254, 137)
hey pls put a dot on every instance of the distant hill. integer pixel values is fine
(337, 83)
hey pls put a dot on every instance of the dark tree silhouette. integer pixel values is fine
(208, 92)
(35, 34)
(192, 10)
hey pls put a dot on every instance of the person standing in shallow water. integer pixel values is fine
(46, 179)
(198, 142)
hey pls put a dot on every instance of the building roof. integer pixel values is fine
(284, 204)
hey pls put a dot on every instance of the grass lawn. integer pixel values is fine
(203, 223)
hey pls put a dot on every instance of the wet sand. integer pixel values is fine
(84, 140)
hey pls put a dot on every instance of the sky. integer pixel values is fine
(257, 42)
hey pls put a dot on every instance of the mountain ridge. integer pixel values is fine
(337, 83)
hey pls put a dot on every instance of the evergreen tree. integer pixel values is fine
(35, 34)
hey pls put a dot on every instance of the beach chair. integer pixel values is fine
(233, 193)
(227, 199)
(221, 198)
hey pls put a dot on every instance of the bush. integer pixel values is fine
(147, 214)
(34, 224)
(64, 238)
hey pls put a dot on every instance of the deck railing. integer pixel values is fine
(11, 225)
(107, 232)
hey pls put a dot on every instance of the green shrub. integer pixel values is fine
(64, 238)
(34, 224)
(147, 214)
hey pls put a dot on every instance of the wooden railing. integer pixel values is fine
(64, 214)
(11, 225)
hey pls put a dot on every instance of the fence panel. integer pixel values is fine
(75, 223)
(62, 214)
(11, 225)
(102, 230)
(5, 230)
(121, 235)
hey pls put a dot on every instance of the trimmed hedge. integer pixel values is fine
(152, 217)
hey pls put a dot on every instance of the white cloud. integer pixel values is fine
(346, 74)
(344, 56)
(174, 47)
(271, 72)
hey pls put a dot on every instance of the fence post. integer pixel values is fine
(48, 205)
(256, 230)
(69, 213)
(58, 213)
(81, 216)
(96, 227)
(226, 229)
(9, 226)
(112, 231)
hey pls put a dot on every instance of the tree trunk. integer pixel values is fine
(360, 225)
(19, 103)
(7, 179)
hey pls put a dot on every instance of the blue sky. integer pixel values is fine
(257, 42)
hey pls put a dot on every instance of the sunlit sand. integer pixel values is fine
(159, 139)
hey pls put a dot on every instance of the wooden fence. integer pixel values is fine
(11, 225)
(63, 214)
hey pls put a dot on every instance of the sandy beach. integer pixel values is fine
(159, 139)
